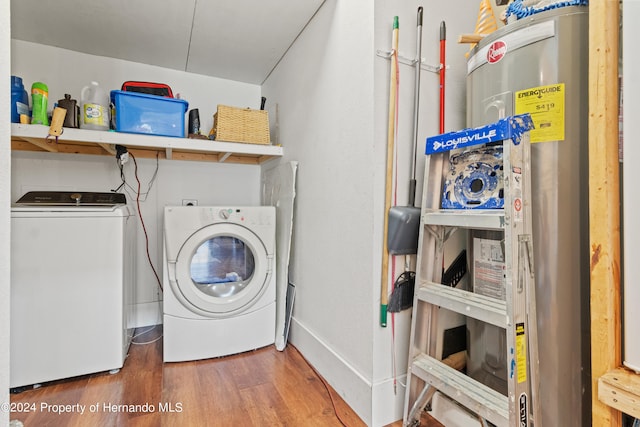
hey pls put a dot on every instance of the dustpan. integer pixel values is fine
(404, 227)
(404, 221)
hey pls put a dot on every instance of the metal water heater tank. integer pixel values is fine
(539, 65)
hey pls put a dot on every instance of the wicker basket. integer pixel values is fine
(233, 124)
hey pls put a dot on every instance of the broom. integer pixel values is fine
(403, 288)
(384, 294)
(402, 296)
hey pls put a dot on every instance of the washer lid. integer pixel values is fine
(221, 270)
(71, 198)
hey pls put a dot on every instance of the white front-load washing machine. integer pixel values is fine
(219, 280)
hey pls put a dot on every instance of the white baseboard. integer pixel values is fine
(376, 404)
(147, 314)
(388, 401)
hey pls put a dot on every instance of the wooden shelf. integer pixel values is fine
(620, 389)
(82, 141)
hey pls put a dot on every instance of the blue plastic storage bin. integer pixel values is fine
(148, 114)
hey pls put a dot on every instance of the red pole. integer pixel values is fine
(443, 66)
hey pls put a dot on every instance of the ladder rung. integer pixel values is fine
(484, 401)
(485, 309)
(489, 219)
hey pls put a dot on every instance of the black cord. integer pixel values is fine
(125, 185)
(144, 228)
(123, 181)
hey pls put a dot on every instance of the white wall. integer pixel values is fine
(332, 95)
(460, 17)
(66, 71)
(210, 183)
(324, 91)
(631, 228)
(5, 224)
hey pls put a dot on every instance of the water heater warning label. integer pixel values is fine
(521, 353)
(546, 106)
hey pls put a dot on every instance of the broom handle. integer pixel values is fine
(384, 288)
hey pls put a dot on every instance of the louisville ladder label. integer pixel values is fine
(523, 410)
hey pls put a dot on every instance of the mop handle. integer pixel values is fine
(416, 112)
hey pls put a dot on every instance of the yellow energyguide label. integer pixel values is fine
(521, 353)
(546, 106)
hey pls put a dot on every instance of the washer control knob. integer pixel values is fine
(76, 197)
(224, 214)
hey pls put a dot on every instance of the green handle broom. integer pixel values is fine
(384, 291)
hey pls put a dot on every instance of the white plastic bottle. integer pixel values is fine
(94, 108)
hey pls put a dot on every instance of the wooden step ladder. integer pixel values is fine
(509, 306)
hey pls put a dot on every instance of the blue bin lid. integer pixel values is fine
(150, 97)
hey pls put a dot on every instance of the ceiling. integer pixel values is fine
(239, 40)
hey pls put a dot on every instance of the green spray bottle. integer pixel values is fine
(39, 99)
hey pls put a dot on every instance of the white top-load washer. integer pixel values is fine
(219, 280)
(72, 285)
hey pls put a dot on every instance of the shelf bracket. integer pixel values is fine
(224, 157)
(45, 144)
(168, 153)
(108, 148)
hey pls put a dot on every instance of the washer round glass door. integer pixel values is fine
(222, 270)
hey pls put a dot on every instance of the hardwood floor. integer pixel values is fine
(264, 387)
